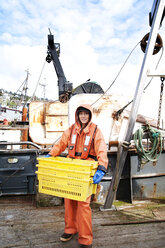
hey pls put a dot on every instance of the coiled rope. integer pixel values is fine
(154, 137)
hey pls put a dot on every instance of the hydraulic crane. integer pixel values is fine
(53, 53)
(65, 87)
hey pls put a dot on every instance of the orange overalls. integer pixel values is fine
(78, 215)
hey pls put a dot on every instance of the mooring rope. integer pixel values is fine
(155, 140)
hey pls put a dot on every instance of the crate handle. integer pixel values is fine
(59, 169)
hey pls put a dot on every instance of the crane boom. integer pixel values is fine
(65, 87)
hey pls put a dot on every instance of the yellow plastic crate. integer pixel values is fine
(64, 172)
(69, 164)
(71, 188)
(65, 177)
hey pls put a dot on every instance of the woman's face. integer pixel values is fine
(84, 117)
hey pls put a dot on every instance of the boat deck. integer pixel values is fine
(23, 225)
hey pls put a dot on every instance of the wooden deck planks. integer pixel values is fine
(22, 225)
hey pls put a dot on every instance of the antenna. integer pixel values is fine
(44, 87)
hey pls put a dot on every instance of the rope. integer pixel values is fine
(155, 137)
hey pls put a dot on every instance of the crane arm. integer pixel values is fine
(65, 87)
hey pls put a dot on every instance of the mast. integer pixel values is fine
(25, 88)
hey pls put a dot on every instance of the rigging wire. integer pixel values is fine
(117, 73)
(24, 83)
(122, 69)
(122, 109)
(32, 98)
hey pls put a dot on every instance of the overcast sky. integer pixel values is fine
(96, 36)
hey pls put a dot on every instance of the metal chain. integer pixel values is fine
(160, 101)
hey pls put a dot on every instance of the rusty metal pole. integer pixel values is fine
(24, 133)
(135, 105)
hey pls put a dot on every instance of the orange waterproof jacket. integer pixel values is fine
(98, 147)
(89, 139)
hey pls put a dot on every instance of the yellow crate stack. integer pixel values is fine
(66, 177)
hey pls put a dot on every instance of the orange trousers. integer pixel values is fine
(78, 218)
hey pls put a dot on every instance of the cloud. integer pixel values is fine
(96, 36)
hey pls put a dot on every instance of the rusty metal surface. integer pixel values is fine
(145, 188)
(47, 121)
(56, 123)
(5, 128)
(148, 180)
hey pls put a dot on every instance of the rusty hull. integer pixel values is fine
(47, 121)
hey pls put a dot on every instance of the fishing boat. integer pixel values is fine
(47, 121)
(132, 174)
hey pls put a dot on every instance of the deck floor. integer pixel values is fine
(23, 225)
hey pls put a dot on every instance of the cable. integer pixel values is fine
(117, 73)
(122, 69)
(122, 109)
(32, 98)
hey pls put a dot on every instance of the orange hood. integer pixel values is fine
(87, 106)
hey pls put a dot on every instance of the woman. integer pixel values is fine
(84, 141)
